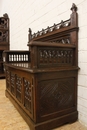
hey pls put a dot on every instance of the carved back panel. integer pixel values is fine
(4, 40)
(55, 46)
(4, 27)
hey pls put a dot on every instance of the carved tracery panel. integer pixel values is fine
(13, 83)
(27, 95)
(8, 79)
(55, 56)
(18, 87)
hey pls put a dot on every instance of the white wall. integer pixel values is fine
(38, 14)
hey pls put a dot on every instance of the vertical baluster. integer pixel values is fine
(23, 57)
(18, 57)
(13, 57)
(9, 57)
(59, 56)
(67, 56)
(26, 58)
(71, 57)
(64, 56)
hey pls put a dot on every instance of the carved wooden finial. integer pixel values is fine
(43, 31)
(74, 8)
(38, 33)
(48, 29)
(30, 34)
(30, 31)
(54, 27)
(74, 15)
(5, 15)
(62, 23)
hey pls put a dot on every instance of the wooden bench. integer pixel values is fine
(42, 82)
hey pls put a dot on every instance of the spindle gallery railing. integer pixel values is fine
(16, 56)
(62, 24)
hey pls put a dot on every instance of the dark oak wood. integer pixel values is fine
(42, 82)
(4, 40)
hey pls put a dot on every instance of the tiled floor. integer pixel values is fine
(10, 119)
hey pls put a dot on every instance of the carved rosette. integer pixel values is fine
(3, 22)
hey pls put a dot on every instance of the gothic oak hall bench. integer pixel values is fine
(42, 82)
